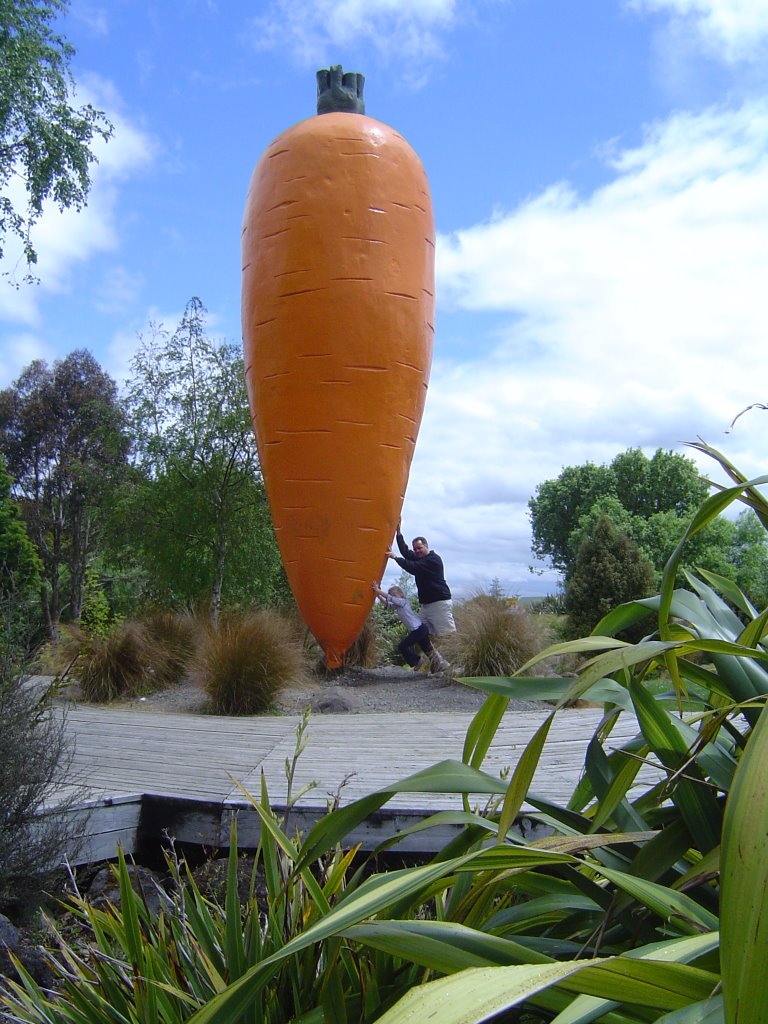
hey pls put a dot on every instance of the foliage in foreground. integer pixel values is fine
(645, 904)
(244, 662)
(33, 757)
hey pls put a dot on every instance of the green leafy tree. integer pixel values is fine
(44, 140)
(631, 490)
(714, 548)
(19, 563)
(202, 524)
(609, 569)
(749, 557)
(558, 506)
(19, 578)
(62, 432)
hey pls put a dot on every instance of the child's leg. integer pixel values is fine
(405, 647)
(422, 639)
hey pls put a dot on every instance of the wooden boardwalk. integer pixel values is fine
(141, 775)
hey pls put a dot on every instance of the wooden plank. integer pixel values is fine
(185, 766)
(98, 826)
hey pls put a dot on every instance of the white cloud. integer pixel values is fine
(92, 15)
(411, 29)
(19, 351)
(734, 30)
(119, 290)
(65, 238)
(637, 318)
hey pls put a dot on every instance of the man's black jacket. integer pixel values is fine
(427, 571)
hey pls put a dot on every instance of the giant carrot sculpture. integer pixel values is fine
(337, 307)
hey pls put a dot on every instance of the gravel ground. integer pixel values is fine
(362, 691)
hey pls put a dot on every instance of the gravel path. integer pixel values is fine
(361, 691)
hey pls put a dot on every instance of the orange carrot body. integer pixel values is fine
(338, 310)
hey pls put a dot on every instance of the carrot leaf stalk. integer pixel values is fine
(340, 92)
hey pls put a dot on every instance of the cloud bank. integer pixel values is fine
(637, 318)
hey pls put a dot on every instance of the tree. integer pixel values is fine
(19, 563)
(62, 432)
(19, 578)
(559, 505)
(641, 487)
(748, 554)
(204, 530)
(44, 140)
(609, 569)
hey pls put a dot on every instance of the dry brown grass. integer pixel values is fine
(364, 652)
(246, 661)
(175, 634)
(122, 664)
(493, 638)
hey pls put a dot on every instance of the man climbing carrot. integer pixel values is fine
(435, 601)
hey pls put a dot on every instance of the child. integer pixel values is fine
(418, 632)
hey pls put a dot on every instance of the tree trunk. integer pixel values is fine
(218, 579)
(80, 531)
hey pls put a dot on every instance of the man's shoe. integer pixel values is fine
(438, 663)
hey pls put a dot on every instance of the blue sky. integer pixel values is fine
(599, 177)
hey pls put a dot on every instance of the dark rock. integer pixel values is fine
(10, 936)
(32, 959)
(104, 887)
(334, 701)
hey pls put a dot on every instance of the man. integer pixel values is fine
(435, 605)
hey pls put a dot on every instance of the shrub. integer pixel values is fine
(389, 631)
(493, 637)
(608, 570)
(244, 663)
(96, 617)
(175, 636)
(121, 664)
(34, 756)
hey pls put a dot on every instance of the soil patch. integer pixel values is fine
(359, 691)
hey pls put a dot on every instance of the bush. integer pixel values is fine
(34, 756)
(493, 637)
(96, 617)
(608, 570)
(175, 635)
(121, 664)
(244, 663)
(389, 632)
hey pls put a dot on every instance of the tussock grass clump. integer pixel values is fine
(121, 664)
(493, 637)
(244, 663)
(175, 634)
(364, 652)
